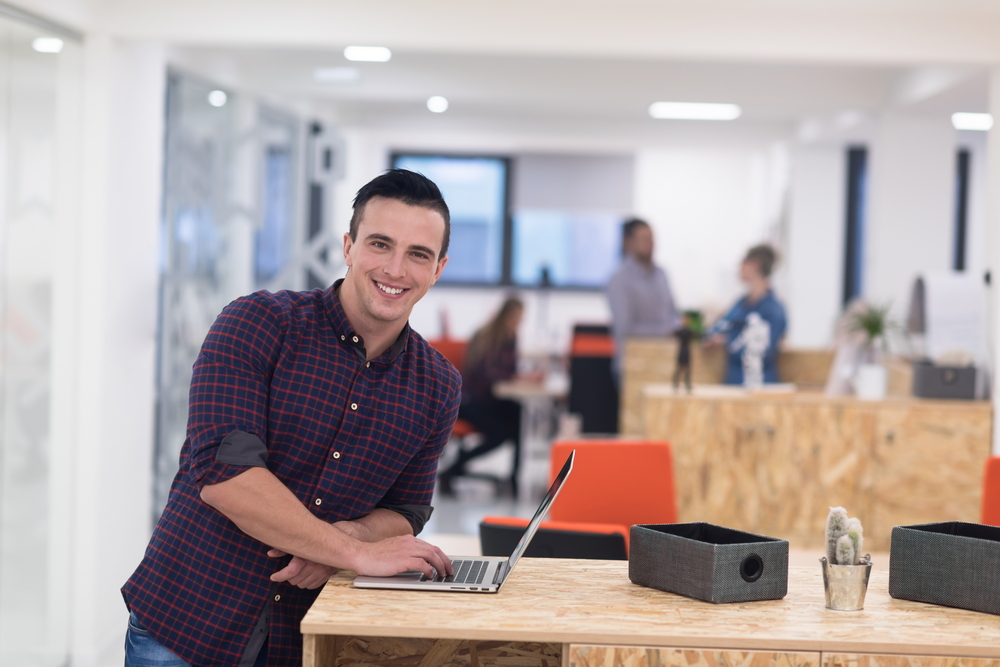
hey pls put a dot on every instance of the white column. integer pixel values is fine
(116, 292)
(993, 265)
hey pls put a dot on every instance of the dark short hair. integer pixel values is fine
(630, 225)
(408, 187)
(764, 257)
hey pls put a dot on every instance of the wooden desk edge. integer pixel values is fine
(664, 641)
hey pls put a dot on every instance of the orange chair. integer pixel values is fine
(454, 351)
(613, 483)
(991, 492)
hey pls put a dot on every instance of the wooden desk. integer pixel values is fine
(581, 613)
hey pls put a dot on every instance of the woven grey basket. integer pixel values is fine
(954, 564)
(708, 562)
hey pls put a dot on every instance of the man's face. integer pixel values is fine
(750, 272)
(640, 243)
(394, 260)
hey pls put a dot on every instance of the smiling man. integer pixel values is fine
(315, 423)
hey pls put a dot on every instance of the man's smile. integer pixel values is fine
(392, 291)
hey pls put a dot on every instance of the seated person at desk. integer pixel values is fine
(490, 358)
(752, 328)
(315, 424)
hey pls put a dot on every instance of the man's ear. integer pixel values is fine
(348, 244)
(440, 267)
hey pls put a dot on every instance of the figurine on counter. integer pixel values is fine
(684, 335)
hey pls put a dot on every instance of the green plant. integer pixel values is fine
(873, 321)
(844, 538)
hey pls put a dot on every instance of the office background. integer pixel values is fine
(134, 205)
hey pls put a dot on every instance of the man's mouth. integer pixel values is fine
(389, 290)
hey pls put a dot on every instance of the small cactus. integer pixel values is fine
(844, 538)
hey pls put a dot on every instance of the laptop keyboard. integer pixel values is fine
(466, 572)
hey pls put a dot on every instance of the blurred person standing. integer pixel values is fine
(756, 315)
(490, 358)
(639, 294)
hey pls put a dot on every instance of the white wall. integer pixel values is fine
(707, 207)
(815, 261)
(910, 215)
(116, 291)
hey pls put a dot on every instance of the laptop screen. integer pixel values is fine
(550, 495)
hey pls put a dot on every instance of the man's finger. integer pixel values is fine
(276, 553)
(289, 571)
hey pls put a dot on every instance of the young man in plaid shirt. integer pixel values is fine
(315, 423)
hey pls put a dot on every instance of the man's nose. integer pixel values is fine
(395, 267)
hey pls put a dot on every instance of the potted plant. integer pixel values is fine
(871, 323)
(845, 571)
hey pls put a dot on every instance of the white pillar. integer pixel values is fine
(993, 166)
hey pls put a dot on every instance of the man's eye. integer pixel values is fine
(379, 244)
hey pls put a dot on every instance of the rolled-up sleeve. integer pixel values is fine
(227, 418)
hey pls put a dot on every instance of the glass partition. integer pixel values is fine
(39, 115)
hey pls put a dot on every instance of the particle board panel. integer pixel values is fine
(868, 660)
(583, 655)
(774, 464)
(422, 652)
(929, 466)
(550, 601)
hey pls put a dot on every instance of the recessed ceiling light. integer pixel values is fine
(217, 98)
(694, 111)
(972, 121)
(437, 104)
(47, 44)
(336, 74)
(370, 54)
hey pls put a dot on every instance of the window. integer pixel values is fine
(961, 208)
(857, 186)
(476, 191)
(531, 220)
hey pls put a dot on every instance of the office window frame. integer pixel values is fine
(854, 223)
(963, 168)
(506, 280)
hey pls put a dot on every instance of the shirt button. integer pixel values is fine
(343, 337)
(319, 501)
(277, 598)
(368, 364)
(354, 406)
(355, 339)
(336, 455)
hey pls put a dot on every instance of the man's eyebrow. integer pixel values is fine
(375, 236)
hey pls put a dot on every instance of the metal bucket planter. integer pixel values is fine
(846, 585)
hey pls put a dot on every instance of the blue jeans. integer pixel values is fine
(141, 650)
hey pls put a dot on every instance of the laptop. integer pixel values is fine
(474, 574)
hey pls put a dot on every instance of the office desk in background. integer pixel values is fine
(539, 403)
(580, 613)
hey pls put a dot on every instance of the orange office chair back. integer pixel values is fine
(991, 492)
(616, 482)
(453, 350)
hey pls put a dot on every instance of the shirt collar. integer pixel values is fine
(346, 333)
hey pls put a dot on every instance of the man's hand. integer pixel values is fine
(301, 572)
(399, 554)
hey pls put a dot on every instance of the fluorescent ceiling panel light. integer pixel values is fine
(47, 44)
(972, 121)
(437, 104)
(336, 74)
(694, 111)
(217, 98)
(368, 54)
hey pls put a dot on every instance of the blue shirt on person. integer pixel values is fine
(732, 323)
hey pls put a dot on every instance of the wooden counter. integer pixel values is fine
(653, 360)
(588, 614)
(773, 463)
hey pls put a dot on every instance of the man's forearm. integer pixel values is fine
(378, 525)
(265, 509)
